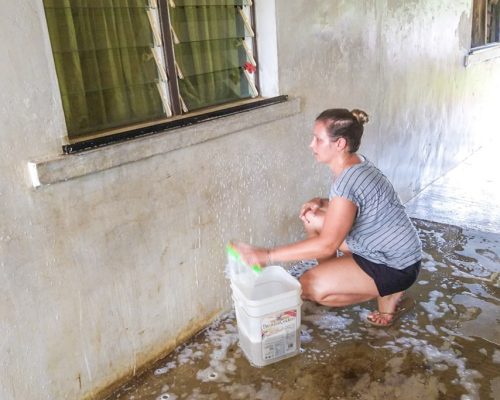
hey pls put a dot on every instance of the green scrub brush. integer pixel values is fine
(236, 264)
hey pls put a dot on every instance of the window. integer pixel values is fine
(485, 22)
(121, 63)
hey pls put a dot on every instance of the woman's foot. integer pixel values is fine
(378, 318)
(388, 310)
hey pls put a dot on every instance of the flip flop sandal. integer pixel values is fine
(402, 308)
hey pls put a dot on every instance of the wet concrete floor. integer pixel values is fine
(446, 347)
(467, 196)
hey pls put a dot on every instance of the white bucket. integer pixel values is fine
(268, 315)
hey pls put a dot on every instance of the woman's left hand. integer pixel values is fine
(252, 255)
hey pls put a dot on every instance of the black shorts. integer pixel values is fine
(389, 280)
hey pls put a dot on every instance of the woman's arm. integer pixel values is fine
(338, 222)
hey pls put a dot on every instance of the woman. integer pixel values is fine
(363, 218)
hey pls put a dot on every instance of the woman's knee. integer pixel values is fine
(312, 286)
(314, 289)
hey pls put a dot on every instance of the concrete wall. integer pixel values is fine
(104, 273)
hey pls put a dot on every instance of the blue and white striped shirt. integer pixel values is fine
(382, 231)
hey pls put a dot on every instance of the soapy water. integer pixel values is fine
(434, 351)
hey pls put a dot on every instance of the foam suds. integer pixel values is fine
(305, 334)
(170, 365)
(431, 329)
(221, 366)
(433, 309)
(329, 322)
(496, 356)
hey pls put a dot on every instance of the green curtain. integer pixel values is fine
(210, 54)
(106, 71)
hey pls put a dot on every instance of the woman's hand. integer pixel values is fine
(312, 205)
(253, 255)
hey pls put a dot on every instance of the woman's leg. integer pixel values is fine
(338, 282)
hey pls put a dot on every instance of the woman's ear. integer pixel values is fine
(341, 143)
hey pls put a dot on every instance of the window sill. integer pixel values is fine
(483, 53)
(65, 167)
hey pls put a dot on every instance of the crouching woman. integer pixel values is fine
(366, 244)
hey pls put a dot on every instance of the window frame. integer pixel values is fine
(179, 117)
(481, 50)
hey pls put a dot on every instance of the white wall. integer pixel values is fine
(103, 273)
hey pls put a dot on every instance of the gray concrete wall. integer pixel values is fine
(103, 273)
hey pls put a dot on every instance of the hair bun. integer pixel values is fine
(361, 116)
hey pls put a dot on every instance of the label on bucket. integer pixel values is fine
(279, 332)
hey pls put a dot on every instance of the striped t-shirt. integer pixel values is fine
(382, 231)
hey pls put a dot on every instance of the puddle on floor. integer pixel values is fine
(446, 347)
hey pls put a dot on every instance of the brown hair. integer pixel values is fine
(340, 122)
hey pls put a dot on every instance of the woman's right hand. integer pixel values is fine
(252, 255)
